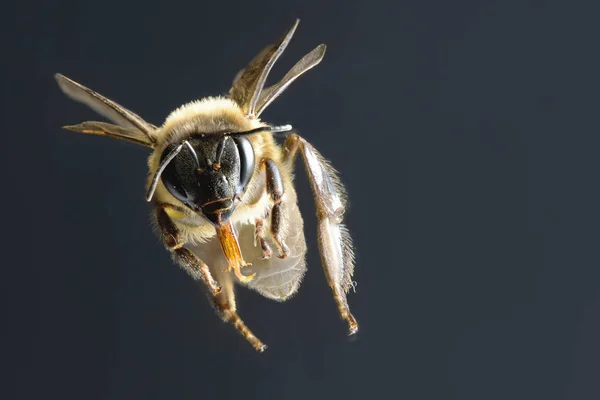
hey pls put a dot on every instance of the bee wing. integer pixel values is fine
(278, 278)
(307, 62)
(249, 82)
(132, 126)
(275, 278)
(117, 132)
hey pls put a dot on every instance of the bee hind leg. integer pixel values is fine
(335, 244)
(275, 191)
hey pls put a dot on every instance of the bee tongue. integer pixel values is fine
(231, 250)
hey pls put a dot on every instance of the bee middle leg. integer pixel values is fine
(186, 259)
(275, 191)
(259, 236)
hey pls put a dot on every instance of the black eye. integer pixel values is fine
(246, 153)
(171, 178)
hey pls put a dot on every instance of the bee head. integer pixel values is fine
(209, 172)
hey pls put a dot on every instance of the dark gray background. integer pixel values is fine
(467, 134)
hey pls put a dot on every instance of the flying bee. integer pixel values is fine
(222, 191)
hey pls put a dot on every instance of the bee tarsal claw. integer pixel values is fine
(244, 278)
(262, 348)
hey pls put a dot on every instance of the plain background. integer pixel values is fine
(468, 136)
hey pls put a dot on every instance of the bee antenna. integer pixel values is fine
(220, 149)
(161, 168)
(273, 129)
(281, 128)
(189, 146)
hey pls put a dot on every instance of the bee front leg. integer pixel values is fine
(224, 304)
(222, 298)
(173, 241)
(334, 240)
(275, 191)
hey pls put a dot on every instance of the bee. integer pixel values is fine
(222, 193)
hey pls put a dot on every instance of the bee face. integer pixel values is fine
(209, 174)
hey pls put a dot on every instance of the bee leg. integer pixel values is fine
(182, 256)
(334, 240)
(259, 236)
(275, 191)
(224, 304)
(221, 297)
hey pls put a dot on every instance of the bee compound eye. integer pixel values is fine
(172, 182)
(172, 179)
(247, 160)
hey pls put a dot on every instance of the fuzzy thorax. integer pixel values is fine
(207, 115)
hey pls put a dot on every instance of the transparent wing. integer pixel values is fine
(110, 130)
(275, 278)
(248, 89)
(105, 107)
(278, 278)
(307, 62)
(249, 82)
